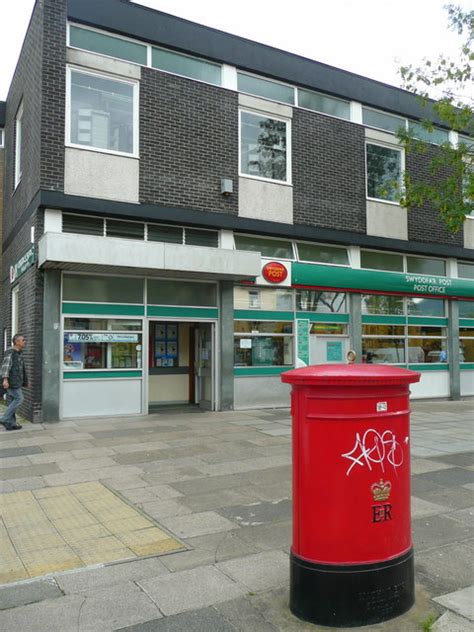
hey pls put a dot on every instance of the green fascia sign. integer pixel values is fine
(311, 275)
(22, 265)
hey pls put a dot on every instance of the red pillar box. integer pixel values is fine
(352, 555)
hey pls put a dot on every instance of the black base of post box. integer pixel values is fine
(351, 595)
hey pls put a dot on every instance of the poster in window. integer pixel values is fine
(172, 332)
(171, 349)
(160, 332)
(334, 351)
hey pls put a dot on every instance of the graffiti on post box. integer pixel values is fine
(375, 448)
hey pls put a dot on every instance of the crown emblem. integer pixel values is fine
(381, 491)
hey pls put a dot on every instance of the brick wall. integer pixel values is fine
(328, 172)
(188, 142)
(425, 224)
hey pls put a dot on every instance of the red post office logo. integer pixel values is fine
(274, 272)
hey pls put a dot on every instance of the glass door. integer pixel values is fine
(205, 365)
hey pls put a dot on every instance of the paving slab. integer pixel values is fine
(19, 451)
(446, 568)
(28, 592)
(203, 620)
(450, 622)
(434, 531)
(262, 571)
(190, 590)
(258, 513)
(461, 602)
(51, 615)
(421, 508)
(448, 478)
(192, 525)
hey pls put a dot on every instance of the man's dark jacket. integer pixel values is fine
(13, 368)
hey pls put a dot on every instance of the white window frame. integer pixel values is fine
(291, 242)
(2, 138)
(135, 84)
(393, 147)
(18, 144)
(15, 310)
(269, 115)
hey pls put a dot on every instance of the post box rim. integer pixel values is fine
(350, 374)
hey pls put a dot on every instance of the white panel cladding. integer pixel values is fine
(387, 220)
(467, 383)
(95, 398)
(260, 391)
(53, 220)
(433, 384)
(265, 200)
(105, 64)
(68, 248)
(95, 174)
(267, 107)
(469, 233)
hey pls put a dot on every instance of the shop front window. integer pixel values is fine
(321, 302)
(272, 299)
(383, 350)
(427, 344)
(91, 343)
(382, 304)
(263, 343)
(466, 344)
(418, 306)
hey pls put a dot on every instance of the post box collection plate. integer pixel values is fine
(352, 557)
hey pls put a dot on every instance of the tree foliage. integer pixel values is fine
(450, 186)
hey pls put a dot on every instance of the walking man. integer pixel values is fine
(14, 377)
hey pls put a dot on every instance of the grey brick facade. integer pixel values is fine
(328, 172)
(188, 142)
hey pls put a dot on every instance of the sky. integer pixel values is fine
(372, 38)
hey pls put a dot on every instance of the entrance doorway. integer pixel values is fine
(181, 364)
(328, 343)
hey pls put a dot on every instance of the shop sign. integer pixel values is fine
(22, 265)
(102, 337)
(275, 273)
(302, 341)
(373, 280)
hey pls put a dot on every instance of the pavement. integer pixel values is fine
(220, 483)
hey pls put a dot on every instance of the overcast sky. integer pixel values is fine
(368, 37)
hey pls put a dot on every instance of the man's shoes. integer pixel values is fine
(14, 427)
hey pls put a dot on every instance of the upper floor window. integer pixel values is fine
(102, 112)
(323, 103)
(384, 172)
(265, 88)
(277, 248)
(264, 143)
(465, 270)
(18, 144)
(105, 44)
(382, 120)
(433, 135)
(185, 65)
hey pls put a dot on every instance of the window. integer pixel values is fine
(323, 103)
(384, 172)
(125, 230)
(321, 302)
(197, 237)
(15, 310)
(433, 135)
(382, 120)
(383, 344)
(164, 345)
(107, 45)
(82, 224)
(382, 304)
(102, 112)
(272, 299)
(274, 248)
(381, 261)
(466, 309)
(18, 145)
(466, 344)
(265, 88)
(427, 344)
(2, 137)
(187, 293)
(322, 254)
(191, 67)
(263, 147)
(423, 265)
(102, 344)
(328, 329)
(263, 343)
(166, 234)
(418, 306)
(102, 289)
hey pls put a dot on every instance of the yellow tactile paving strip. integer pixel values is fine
(59, 528)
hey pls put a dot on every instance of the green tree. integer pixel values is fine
(450, 186)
